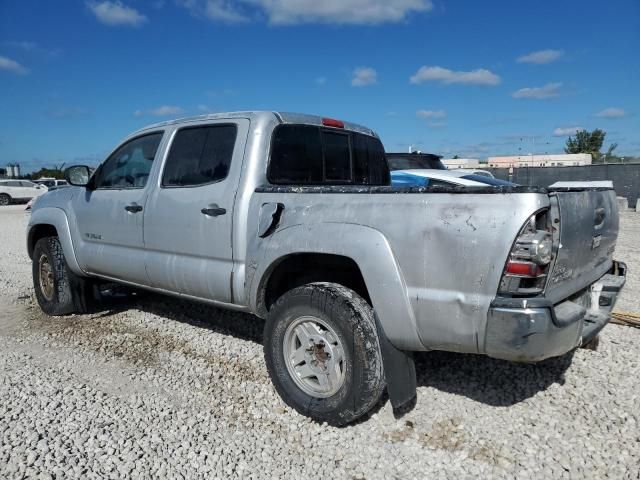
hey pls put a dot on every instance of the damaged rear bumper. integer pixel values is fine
(529, 330)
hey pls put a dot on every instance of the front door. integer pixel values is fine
(189, 216)
(109, 217)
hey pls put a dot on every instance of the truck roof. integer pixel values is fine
(283, 117)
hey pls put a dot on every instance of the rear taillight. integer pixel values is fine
(523, 269)
(525, 272)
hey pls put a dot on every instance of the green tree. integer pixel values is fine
(48, 173)
(586, 142)
(590, 142)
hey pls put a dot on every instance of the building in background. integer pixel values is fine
(453, 163)
(13, 170)
(519, 161)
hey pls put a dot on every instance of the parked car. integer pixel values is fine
(19, 191)
(477, 171)
(293, 218)
(413, 161)
(425, 178)
(51, 182)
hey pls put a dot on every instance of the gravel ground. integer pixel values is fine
(156, 388)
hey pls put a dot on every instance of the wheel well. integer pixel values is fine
(300, 269)
(37, 232)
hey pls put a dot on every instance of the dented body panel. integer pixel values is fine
(403, 244)
(431, 258)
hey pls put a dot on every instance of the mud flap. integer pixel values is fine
(399, 372)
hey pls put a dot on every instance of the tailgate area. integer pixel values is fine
(586, 228)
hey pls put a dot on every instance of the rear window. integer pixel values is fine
(311, 155)
(199, 155)
(414, 161)
(337, 156)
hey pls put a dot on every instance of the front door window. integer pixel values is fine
(129, 166)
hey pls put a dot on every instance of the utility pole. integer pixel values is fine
(533, 151)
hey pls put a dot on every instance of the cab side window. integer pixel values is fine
(313, 155)
(129, 165)
(199, 156)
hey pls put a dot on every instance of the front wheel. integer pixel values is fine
(4, 199)
(323, 354)
(58, 290)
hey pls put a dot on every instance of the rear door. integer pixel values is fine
(189, 216)
(16, 190)
(109, 218)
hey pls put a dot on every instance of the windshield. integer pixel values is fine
(414, 162)
(488, 180)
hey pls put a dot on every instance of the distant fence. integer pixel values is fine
(625, 177)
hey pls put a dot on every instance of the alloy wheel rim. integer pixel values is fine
(46, 277)
(314, 356)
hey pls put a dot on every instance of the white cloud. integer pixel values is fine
(541, 57)
(363, 76)
(550, 90)
(431, 114)
(437, 124)
(12, 66)
(163, 111)
(341, 11)
(224, 11)
(291, 12)
(612, 113)
(479, 76)
(566, 131)
(116, 13)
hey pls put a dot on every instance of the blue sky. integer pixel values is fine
(447, 76)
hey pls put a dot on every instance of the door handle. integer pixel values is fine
(133, 208)
(213, 210)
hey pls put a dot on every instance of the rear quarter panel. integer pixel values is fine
(449, 250)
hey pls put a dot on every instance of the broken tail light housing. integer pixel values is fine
(525, 272)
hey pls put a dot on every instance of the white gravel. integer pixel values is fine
(156, 388)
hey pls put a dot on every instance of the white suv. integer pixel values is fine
(19, 190)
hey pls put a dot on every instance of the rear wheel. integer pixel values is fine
(58, 290)
(4, 199)
(323, 354)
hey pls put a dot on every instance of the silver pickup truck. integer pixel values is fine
(292, 218)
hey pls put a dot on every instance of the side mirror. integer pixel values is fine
(78, 175)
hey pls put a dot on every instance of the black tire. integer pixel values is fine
(352, 319)
(4, 200)
(69, 293)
